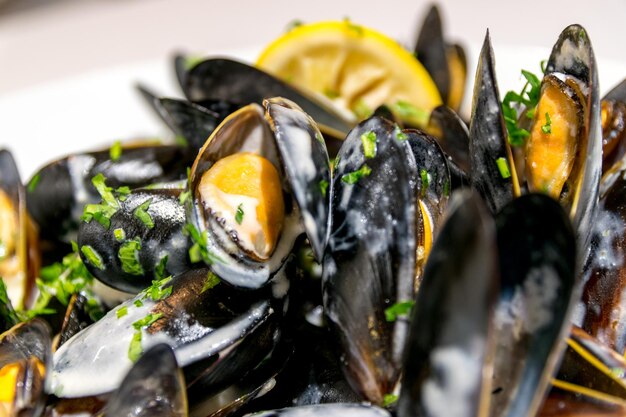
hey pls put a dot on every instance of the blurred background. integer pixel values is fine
(67, 67)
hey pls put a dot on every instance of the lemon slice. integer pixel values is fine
(355, 67)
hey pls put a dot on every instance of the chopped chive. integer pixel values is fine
(389, 399)
(425, 177)
(211, 281)
(357, 29)
(406, 110)
(361, 109)
(181, 141)
(503, 167)
(368, 139)
(92, 256)
(138, 303)
(159, 269)
(121, 312)
(183, 197)
(239, 214)
(128, 255)
(135, 350)
(32, 184)
(119, 234)
(323, 184)
(547, 128)
(199, 250)
(142, 214)
(400, 135)
(402, 308)
(331, 94)
(156, 291)
(147, 321)
(354, 177)
(293, 24)
(116, 151)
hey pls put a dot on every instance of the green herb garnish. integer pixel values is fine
(331, 94)
(293, 24)
(8, 316)
(92, 256)
(323, 184)
(528, 98)
(135, 350)
(361, 110)
(121, 312)
(389, 399)
(32, 184)
(142, 214)
(547, 128)
(354, 177)
(181, 141)
(120, 234)
(60, 281)
(198, 251)
(147, 321)
(503, 167)
(211, 281)
(402, 308)
(159, 270)
(400, 135)
(406, 110)
(156, 291)
(183, 197)
(239, 214)
(116, 151)
(368, 139)
(128, 255)
(102, 212)
(138, 303)
(425, 177)
(358, 29)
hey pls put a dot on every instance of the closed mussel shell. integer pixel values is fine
(537, 257)
(145, 234)
(370, 261)
(446, 360)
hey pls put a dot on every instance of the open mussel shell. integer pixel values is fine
(449, 340)
(58, 192)
(218, 334)
(327, 410)
(370, 262)
(572, 65)
(445, 63)
(452, 134)
(25, 356)
(225, 79)
(491, 173)
(285, 137)
(19, 245)
(76, 319)
(154, 386)
(537, 257)
(126, 255)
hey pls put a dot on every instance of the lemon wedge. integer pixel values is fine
(357, 68)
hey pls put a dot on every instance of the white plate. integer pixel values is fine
(95, 109)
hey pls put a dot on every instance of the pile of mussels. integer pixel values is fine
(430, 274)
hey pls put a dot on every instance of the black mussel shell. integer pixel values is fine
(327, 410)
(430, 49)
(226, 79)
(218, 334)
(133, 248)
(63, 187)
(452, 134)
(488, 136)
(449, 338)
(154, 386)
(537, 257)
(370, 262)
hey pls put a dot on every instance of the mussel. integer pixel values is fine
(19, 246)
(260, 180)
